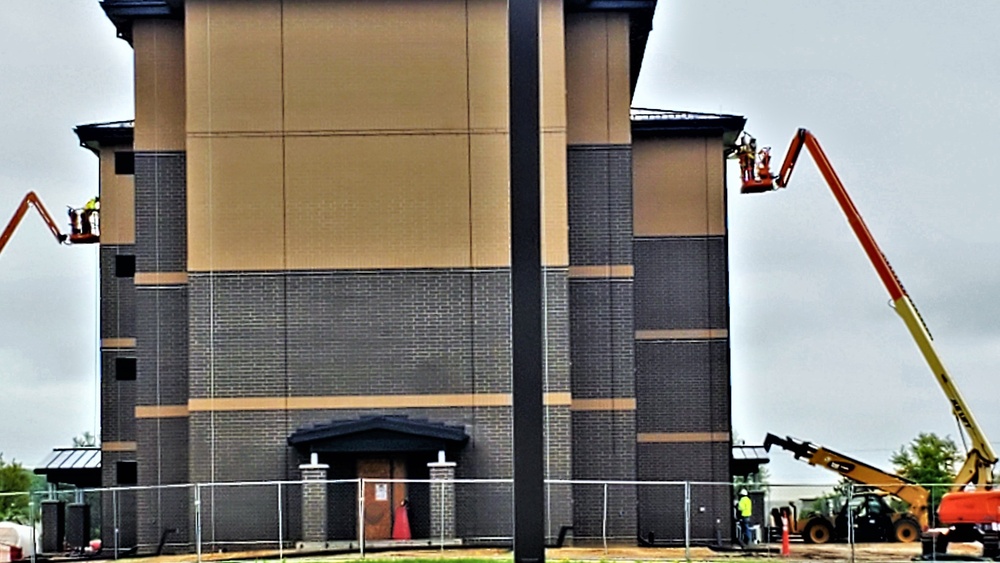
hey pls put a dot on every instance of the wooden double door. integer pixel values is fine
(381, 498)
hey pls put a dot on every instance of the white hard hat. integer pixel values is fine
(743, 492)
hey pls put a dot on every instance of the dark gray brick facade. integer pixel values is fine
(661, 507)
(599, 186)
(117, 295)
(118, 508)
(682, 386)
(601, 333)
(162, 345)
(163, 459)
(603, 336)
(301, 334)
(681, 283)
(361, 333)
(608, 452)
(161, 212)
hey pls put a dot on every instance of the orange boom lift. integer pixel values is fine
(968, 514)
(31, 200)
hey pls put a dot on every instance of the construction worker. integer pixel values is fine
(744, 509)
(89, 208)
(747, 153)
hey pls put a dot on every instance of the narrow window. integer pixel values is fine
(125, 369)
(124, 163)
(128, 472)
(125, 266)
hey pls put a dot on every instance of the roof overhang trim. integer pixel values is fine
(123, 13)
(93, 136)
(667, 123)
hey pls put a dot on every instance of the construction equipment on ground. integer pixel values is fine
(886, 522)
(864, 517)
(966, 513)
(76, 236)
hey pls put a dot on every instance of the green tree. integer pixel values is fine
(14, 480)
(928, 460)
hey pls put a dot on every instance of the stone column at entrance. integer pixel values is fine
(442, 498)
(314, 500)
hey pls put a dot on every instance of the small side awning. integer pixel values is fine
(73, 466)
(747, 460)
(382, 433)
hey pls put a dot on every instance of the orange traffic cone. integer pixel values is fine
(786, 547)
(401, 526)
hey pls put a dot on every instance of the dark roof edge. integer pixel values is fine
(123, 13)
(664, 123)
(93, 136)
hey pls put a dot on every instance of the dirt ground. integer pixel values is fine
(865, 553)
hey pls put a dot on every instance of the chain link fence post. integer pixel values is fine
(687, 520)
(441, 529)
(281, 529)
(114, 519)
(197, 520)
(361, 516)
(604, 521)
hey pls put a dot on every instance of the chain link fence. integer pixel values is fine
(593, 519)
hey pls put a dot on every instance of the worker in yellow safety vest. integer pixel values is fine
(745, 509)
(91, 207)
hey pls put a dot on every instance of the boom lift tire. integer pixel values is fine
(906, 530)
(818, 531)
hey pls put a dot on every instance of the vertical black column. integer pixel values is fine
(526, 281)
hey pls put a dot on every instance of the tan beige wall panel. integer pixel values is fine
(357, 65)
(235, 206)
(488, 85)
(398, 201)
(597, 79)
(678, 187)
(552, 48)
(490, 226)
(619, 81)
(555, 213)
(159, 85)
(234, 65)
(117, 201)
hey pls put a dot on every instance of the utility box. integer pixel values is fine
(78, 526)
(53, 526)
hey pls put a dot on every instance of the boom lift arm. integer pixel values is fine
(979, 463)
(30, 200)
(913, 494)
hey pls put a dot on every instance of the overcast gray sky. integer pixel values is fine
(903, 96)
(60, 66)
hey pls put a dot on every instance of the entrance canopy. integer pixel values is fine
(74, 466)
(382, 433)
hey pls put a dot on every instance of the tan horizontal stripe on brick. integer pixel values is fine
(363, 402)
(162, 411)
(118, 446)
(558, 399)
(613, 404)
(602, 271)
(680, 437)
(118, 343)
(682, 334)
(161, 278)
